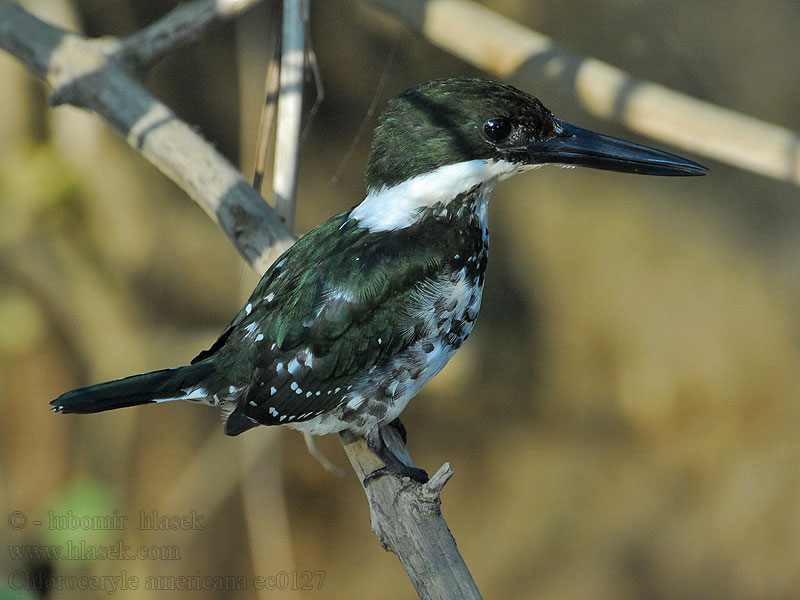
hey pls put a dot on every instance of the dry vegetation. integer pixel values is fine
(623, 422)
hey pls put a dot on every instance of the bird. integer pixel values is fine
(350, 322)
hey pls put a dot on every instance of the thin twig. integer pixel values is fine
(311, 445)
(290, 111)
(184, 24)
(319, 88)
(367, 117)
(267, 120)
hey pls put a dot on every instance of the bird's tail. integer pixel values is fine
(181, 383)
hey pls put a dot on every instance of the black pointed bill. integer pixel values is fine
(577, 146)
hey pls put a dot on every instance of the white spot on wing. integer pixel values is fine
(193, 394)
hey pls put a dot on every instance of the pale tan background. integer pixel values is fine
(623, 422)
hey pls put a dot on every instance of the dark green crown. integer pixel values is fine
(443, 122)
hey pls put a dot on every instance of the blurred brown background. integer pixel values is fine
(623, 422)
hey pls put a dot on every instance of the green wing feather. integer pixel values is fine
(329, 309)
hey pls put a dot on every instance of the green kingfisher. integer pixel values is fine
(358, 315)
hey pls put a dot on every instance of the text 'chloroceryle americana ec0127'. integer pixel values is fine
(350, 322)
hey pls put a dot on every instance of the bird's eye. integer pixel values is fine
(497, 129)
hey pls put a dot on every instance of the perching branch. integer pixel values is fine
(407, 519)
(536, 63)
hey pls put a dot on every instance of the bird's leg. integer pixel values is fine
(394, 466)
(400, 428)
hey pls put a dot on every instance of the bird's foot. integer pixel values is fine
(398, 470)
(394, 466)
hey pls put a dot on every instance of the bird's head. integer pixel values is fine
(457, 120)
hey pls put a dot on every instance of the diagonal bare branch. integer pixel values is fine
(93, 74)
(536, 62)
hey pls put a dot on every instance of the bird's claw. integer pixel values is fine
(401, 470)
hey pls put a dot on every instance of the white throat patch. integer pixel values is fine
(399, 206)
